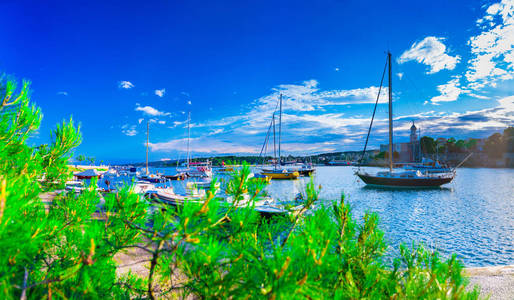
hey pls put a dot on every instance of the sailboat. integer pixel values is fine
(195, 169)
(277, 172)
(403, 178)
(149, 177)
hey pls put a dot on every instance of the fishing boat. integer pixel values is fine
(398, 178)
(277, 171)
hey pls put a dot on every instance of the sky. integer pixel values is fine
(116, 65)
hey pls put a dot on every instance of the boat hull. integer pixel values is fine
(87, 177)
(306, 172)
(404, 182)
(175, 177)
(280, 175)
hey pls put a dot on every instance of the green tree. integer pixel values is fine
(494, 146)
(80, 158)
(428, 145)
(508, 139)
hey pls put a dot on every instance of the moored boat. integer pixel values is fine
(151, 178)
(178, 176)
(281, 174)
(405, 179)
(88, 174)
(399, 179)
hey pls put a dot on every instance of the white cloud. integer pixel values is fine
(450, 91)
(446, 124)
(125, 85)
(216, 131)
(493, 49)
(148, 110)
(129, 130)
(160, 92)
(431, 52)
(62, 93)
(140, 120)
(203, 145)
(189, 102)
(336, 69)
(161, 122)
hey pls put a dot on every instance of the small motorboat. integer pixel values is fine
(88, 174)
(302, 169)
(142, 187)
(178, 176)
(203, 184)
(280, 173)
(168, 196)
(151, 178)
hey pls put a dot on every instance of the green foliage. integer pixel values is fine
(66, 247)
(428, 145)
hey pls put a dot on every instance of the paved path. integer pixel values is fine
(498, 282)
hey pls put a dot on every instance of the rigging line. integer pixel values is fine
(373, 116)
(266, 139)
(418, 90)
(274, 142)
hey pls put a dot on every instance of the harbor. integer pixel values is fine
(257, 150)
(465, 217)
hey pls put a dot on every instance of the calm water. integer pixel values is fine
(472, 217)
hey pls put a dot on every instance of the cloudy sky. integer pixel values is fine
(114, 66)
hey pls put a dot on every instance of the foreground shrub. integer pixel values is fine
(66, 248)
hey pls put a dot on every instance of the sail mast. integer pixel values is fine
(188, 136)
(274, 142)
(147, 141)
(391, 153)
(280, 131)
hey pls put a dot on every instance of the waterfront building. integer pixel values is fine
(406, 152)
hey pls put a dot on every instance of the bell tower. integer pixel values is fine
(413, 134)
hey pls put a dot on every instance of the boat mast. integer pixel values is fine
(188, 136)
(391, 153)
(280, 131)
(274, 142)
(147, 140)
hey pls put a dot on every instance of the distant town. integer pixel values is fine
(496, 151)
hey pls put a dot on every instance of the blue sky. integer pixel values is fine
(116, 65)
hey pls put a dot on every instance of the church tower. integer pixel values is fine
(414, 144)
(413, 134)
